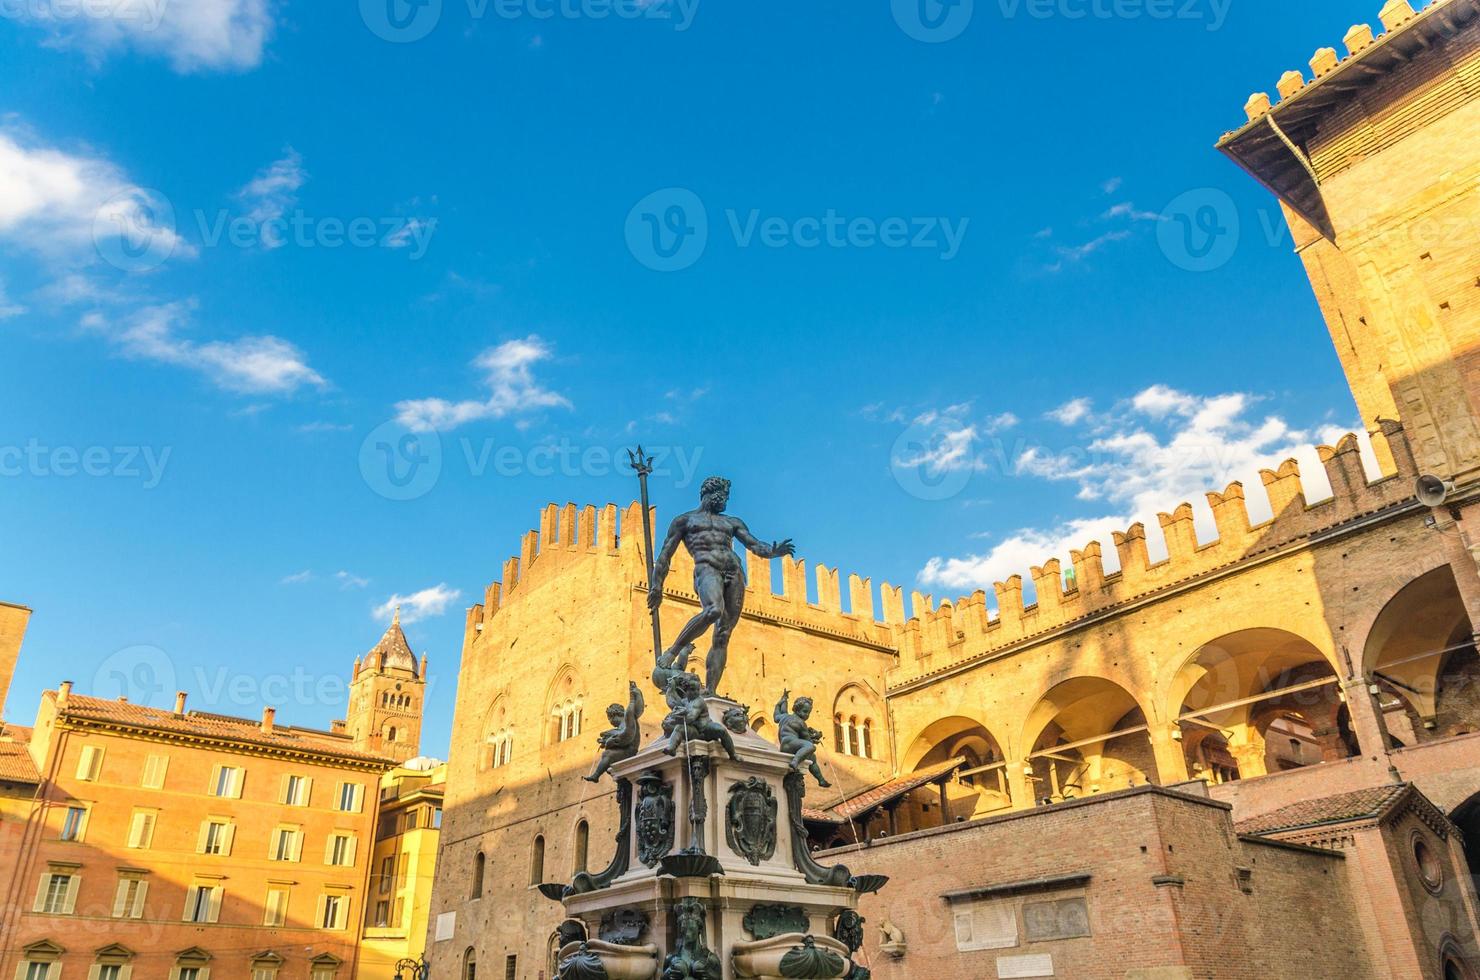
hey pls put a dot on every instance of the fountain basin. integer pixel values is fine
(619, 962)
(808, 958)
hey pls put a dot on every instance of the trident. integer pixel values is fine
(643, 464)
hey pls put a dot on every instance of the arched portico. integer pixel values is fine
(1421, 653)
(1087, 735)
(1256, 701)
(980, 785)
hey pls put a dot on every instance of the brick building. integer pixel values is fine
(187, 844)
(1258, 756)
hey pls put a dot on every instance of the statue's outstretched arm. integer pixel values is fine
(635, 707)
(781, 708)
(760, 547)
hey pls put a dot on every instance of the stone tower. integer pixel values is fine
(1374, 163)
(387, 696)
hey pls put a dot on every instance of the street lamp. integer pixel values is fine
(408, 969)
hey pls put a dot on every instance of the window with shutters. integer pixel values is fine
(111, 963)
(58, 892)
(226, 782)
(323, 971)
(74, 822)
(203, 902)
(109, 971)
(36, 970)
(295, 790)
(128, 897)
(141, 828)
(341, 850)
(264, 973)
(287, 844)
(216, 835)
(155, 768)
(90, 763)
(276, 906)
(350, 798)
(333, 910)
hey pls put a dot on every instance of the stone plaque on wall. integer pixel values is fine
(1040, 965)
(986, 925)
(1065, 918)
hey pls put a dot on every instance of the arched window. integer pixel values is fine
(470, 964)
(583, 844)
(867, 740)
(537, 861)
(391, 734)
(478, 863)
(500, 750)
(840, 738)
(566, 719)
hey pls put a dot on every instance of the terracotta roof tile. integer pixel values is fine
(207, 725)
(15, 761)
(882, 793)
(1363, 804)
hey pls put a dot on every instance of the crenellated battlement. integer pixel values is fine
(1395, 16)
(937, 638)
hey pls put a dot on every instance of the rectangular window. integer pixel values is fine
(109, 971)
(387, 875)
(295, 790)
(341, 850)
(141, 829)
(90, 763)
(37, 971)
(277, 907)
(155, 768)
(511, 968)
(287, 844)
(382, 913)
(128, 899)
(226, 781)
(333, 911)
(437, 818)
(188, 973)
(203, 903)
(73, 823)
(57, 893)
(412, 819)
(264, 973)
(215, 837)
(351, 797)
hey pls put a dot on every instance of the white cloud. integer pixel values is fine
(297, 578)
(269, 195)
(1078, 253)
(404, 235)
(8, 309)
(62, 205)
(193, 35)
(1071, 412)
(247, 365)
(1161, 448)
(1126, 209)
(348, 580)
(419, 605)
(1112, 185)
(512, 389)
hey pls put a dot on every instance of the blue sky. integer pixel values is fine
(944, 291)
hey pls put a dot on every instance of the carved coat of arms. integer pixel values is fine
(654, 819)
(750, 828)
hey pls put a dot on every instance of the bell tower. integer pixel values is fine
(387, 696)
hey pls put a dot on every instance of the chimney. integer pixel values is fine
(268, 716)
(64, 692)
(179, 704)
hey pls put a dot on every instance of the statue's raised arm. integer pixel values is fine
(719, 579)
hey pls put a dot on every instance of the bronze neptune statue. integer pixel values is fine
(710, 535)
